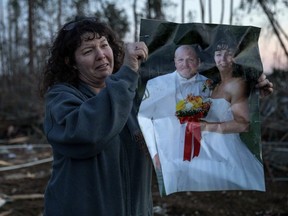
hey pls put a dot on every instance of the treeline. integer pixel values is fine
(27, 29)
(28, 26)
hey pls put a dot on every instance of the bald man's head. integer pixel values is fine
(186, 61)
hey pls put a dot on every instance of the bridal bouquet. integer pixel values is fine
(192, 108)
(190, 111)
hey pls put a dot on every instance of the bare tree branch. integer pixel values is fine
(231, 12)
(274, 24)
(222, 11)
(202, 10)
(59, 4)
(183, 11)
(210, 11)
(135, 15)
(31, 36)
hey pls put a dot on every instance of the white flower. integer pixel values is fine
(188, 106)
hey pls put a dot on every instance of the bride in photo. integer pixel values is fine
(225, 162)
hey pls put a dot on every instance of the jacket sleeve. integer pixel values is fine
(81, 128)
(145, 118)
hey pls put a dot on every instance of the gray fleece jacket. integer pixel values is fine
(101, 166)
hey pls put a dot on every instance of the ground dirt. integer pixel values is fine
(32, 181)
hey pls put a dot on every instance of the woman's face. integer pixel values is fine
(224, 59)
(94, 60)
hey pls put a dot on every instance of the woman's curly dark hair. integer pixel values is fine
(60, 65)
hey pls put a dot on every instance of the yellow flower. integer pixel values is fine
(196, 104)
(180, 105)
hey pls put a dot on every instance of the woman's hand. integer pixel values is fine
(134, 54)
(264, 85)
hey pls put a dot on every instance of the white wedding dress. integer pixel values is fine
(224, 162)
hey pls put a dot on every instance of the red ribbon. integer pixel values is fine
(192, 137)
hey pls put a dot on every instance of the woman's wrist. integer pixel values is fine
(203, 125)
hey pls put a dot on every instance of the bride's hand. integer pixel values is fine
(265, 86)
(203, 125)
